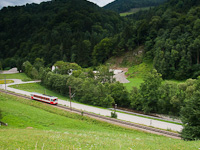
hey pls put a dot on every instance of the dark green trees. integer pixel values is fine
(190, 113)
(149, 92)
(55, 30)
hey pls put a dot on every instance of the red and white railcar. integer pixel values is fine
(45, 98)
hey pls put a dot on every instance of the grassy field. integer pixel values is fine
(39, 126)
(137, 73)
(36, 87)
(134, 10)
(133, 82)
(21, 76)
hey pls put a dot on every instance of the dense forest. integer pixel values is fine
(121, 6)
(172, 39)
(56, 30)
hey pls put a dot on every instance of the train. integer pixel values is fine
(44, 98)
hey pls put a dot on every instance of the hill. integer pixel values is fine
(56, 30)
(172, 40)
(170, 37)
(121, 6)
(39, 126)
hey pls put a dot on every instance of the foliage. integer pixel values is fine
(139, 71)
(190, 113)
(67, 68)
(113, 114)
(104, 74)
(149, 92)
(54, 30)
(34, 71)
(172, 42)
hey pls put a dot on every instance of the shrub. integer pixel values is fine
(113, 114)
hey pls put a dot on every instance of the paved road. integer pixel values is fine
(121, 77)
(105, 112)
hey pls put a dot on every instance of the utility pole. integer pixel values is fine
(5, 82)
(70, 97)
(115, 107)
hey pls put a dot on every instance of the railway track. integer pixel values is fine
(109, 120)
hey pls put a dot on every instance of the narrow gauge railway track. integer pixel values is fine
(109, 120)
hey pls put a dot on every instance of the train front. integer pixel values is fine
(54, 101)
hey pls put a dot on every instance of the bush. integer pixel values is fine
(113, 114)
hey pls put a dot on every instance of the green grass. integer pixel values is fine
(21, 76)
(134, 10)
(133, 82)
(57, 129)
(36, 87)
(138, 72)
(7, 81)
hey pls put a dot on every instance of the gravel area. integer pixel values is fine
(121, 77)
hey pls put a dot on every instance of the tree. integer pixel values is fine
(104, 74)
(102, 51)
(190, 112)
(196, 46)
(27, 68)
(149, 91)
(108, 101)
(135, 100)
(39, 62)
(190, 116)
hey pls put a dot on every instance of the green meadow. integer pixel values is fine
(21, 76)
(35, 125)
(134, 10)
(137, 73)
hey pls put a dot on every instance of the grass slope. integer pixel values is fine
(56, 129)
(134, 10)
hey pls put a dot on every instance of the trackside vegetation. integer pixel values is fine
(39, 126)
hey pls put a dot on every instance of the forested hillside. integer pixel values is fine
(125, 5)
(79, 31)
(170, 34)
(56, 30)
